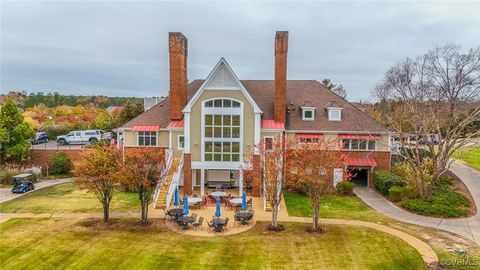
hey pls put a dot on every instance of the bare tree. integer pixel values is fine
(430, 99)
(337, 89)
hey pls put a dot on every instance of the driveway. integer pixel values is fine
(467, 227)
(7, 195)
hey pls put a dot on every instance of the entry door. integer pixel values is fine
(337, 176)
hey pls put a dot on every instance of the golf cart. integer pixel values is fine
(22, 183)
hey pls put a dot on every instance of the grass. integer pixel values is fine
(68, 198)
(470, 155)
(333, 206)
(70, 244)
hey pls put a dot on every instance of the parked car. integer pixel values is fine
(80, 137)
(40, 137)
(429, 139)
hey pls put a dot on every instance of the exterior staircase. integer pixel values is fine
(268, 206)
(162, 196)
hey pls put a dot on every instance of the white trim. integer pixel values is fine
(330, 111)
(186, 117)
(170, 139)
(257, 132)
(279, 130)
(268, 137)
(216, 165)
(222, 111)
(199, 92)
(308, 109)
(202, 182)
(178, 142)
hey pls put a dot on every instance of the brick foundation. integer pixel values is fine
(187, 174)
(256, 177)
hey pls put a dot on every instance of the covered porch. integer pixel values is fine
(231, 181)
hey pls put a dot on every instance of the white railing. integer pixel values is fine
(163, 176)
(175, 182)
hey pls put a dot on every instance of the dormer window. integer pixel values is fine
(334, 111)
(334, 114)
(308, 113)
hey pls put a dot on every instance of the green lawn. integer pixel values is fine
(69, 244)
(470, 155)
(68, 198)
(333, 206)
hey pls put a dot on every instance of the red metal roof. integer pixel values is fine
(308, 135)
(272, 124)
(366, 161)
(146, 128)
(360, 136)
(176, 124)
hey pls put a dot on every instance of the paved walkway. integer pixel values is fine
(467, 227)
(7, 195)
(429, 256)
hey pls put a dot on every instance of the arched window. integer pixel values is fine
(221, 127)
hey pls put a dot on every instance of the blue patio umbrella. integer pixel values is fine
(244, 201)
(176, 201)
(217, 211)
(185, 204)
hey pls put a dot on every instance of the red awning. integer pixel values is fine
(360, 136)
(366, 161)
(176, 124)
(145, 128)
(309, 135)
(272, 124)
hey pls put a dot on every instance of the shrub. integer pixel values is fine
(397, 193)
(383, 181)
(61, 163)
(443, 203)
(345, 188)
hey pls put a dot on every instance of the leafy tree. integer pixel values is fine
(131, 110)
(14, 133)
(311, 167)
(141, 172)
(337, 89)
(98, 172)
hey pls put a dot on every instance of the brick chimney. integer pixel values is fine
(280, 100)
(178, 48)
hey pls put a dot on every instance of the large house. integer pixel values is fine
(210, 124)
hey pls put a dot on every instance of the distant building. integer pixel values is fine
(149, 102)
(112, 109)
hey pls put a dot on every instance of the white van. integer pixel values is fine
(81, 137)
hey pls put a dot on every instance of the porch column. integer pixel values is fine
(256, 181)
(202, 182)
(240, 183)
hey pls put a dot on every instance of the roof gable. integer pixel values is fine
(222, 77)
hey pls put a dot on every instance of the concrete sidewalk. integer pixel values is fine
(7, 195)
(467, 227)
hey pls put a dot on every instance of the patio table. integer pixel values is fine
(176, 211)
(236, 200)
(184, 220)
(219, 194)
(194, 200)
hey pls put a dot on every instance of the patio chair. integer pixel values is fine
(198, 224)
(250, 202)
(237, 218)
(195, 195)
(194, 216)
(211, 227)
(226, 223)
(203, 203)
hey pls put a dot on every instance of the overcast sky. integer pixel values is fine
(120, 48)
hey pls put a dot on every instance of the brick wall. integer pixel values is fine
(41, 157)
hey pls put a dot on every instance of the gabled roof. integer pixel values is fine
(298, 91)
(222, 77)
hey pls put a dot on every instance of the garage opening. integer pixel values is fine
(359, 176)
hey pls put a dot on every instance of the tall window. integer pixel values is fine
(222, 137)
(147, 138)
